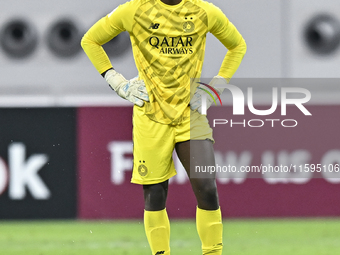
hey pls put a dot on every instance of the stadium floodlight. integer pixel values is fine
(63, 38)
(18, 38)
(322, 34)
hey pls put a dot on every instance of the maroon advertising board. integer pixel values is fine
(311, 142)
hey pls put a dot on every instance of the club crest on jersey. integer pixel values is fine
(188, 26)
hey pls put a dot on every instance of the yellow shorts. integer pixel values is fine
(154, 143)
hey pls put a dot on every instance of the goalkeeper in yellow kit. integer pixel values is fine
(168, 42)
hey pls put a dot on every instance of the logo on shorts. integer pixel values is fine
(160, 252)
(142, 169)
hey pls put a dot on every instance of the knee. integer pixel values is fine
(155, 197)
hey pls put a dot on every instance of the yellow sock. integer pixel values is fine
(209, 228)
(157, 229)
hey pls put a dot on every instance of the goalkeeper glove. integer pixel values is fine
(196, 100)
(133, 90)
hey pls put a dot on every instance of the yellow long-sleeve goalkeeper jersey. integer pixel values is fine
(168, 43)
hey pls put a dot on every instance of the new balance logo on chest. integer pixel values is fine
(154, 26)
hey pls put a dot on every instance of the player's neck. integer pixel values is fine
(171, 2)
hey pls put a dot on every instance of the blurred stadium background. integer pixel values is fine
(65, 138)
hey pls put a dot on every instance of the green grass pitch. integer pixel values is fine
(241, 237)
